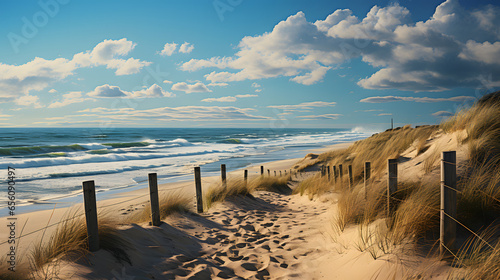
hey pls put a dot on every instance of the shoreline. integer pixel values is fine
(32, 223)
(75, 198)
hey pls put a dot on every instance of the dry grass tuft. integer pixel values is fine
(316, 185)
(218, 193)
(171, 203)
(70, 241)
(271, 184)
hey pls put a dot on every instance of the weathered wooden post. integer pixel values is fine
(90, 206)
(448, 226)
(368, 172)
(245, 176)
(274, 173)
(392, 184)
(269, 173)
(199, 193)
(153, 197)
(335, 173)
(261, 170)
(328, 172)
(223, 175)
(351, 181)
(341, 175)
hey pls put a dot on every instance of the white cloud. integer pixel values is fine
(385, 99)
(106, 91)
(52, 91)
(167, 82)
(255, 85)
(189, 88)
(321, 117)
(38, 74)
(304, 106)
(107, 52)
(183, 113)
(258, 90)
(29, 100)
(443, 114)
(168, 49)
(220, 99)
(186, 48)
(69, 98)
(455, 47)
(246, 95)
(384, 114)
(218, 84)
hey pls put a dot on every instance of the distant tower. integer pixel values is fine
(392, 123)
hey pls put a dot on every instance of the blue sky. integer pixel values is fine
(241, 63)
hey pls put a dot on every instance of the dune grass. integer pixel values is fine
(315, 185)
(70, 241)
(238, 187)
(170, 203)
(416, 216)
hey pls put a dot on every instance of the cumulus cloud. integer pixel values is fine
(107, 91)
(220, 99)
(455, 47)
(189, 88)
(320, 117)
(443, 114)
(218, 84)
(107, 53)
(52, 91)
(69, 98)
(38, 74)
(167, 82)
(385, 99)
(186, 48)
(303, 106)
(29, 100)
(168, 49)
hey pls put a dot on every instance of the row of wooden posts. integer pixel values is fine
(448, 196)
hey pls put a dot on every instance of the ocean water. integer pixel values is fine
(53, 162)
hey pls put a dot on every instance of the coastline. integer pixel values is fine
(120, 204)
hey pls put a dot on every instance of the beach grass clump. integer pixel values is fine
(315, 185)
(175, 202)
(239, 187)
(271, 184)
(478, 258)
(70, 241)
(219, 192)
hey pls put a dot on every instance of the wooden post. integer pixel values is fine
(448, 227)
(392, 184)
(223, 175)
(280, 173)
(262, 170)
(274, 173)
(328, 171)
(153, 195)
(245, 176)
(199, 193)
(269, 173)
(341, 175)
(351, 181)
(91, 215)
(335, 173)
(368, 172)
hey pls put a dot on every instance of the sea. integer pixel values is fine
(50, 164)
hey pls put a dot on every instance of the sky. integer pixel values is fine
(242, 63)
